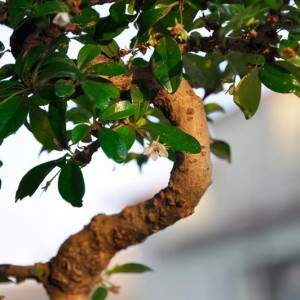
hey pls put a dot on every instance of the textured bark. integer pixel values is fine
(76, 268)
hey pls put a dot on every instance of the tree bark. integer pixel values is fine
(76, 268)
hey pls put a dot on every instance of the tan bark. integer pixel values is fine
(76, 268)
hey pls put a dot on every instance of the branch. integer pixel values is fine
(81, 258)
(38, 271)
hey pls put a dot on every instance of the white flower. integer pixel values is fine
(155, 150)
(61, 19)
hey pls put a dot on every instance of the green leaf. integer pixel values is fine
(64, 88)
(13, 114)
(107, 28)
(221, 149)
(247, 94)
(5, 280)
(279, 79)
(167, 65)
(203, 72)
(9, 88)
(6, 71)
(107, 69)
(79, 132)
(140, 97)
(112, 145)
(127, 134)
(88, 18)
(117, 110)
(128, 268)
(110, 48)
(50, 7)
(58, 70)
(87, 54)
(42, 129)
(71, 183)
(100, 91)
(173, 137)
(33, 178)
(100, 293)
(213, 107)
(117, 11)
(149, 17)
(57, 118)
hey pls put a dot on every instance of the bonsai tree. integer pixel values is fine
(107, 97)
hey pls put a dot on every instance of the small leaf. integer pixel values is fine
(129, 268)
(127, 134)
(57, 118)
(173, 137)
(149, 17)
(117, 11)
(5, 280)
(33, 178)
(112, 145)
(79, 132)
(6, 71)
(110, 48)
(58, 70)
(107, 69)
(247, 94)
(87, 54)
(100, 293)
(64, 88)
(50, 7)
(13, 114)
(118, 110)
(71, 183)
(140, 97)
(213, 107)
(106, 29)
(167, 65)
(41, 128)
(221, 149)
(100, 91)
(279, 79)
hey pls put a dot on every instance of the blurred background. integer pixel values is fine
(241, 243)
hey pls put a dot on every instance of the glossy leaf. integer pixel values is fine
(140, 97)
(110, 48)
(33, 178)
(107, 28)
(129, 268)
(149, 17)
(107, 69)
(247, 94)
(118, 110)
(42, 129)
(58, 70)
(71, 183)
(9, 88)
(79, 132)
(173, 137)
(57, 118)
(87, 54)
(221, 149)
(279, 79)
(127, 134)
(100, 293)
(100, 91)
(13, 114)
(50, 7)
(213, 107)
(167, 65)
(112, 145)
(6, 71)
(88, 17)
(64, 88)
(117, 11)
